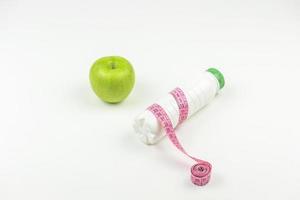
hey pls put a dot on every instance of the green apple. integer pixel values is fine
(112, 78)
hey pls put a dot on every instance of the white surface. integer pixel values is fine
(58, 141)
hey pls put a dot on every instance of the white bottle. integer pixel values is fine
(198, 95)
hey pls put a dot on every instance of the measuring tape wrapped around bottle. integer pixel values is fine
(162, 117)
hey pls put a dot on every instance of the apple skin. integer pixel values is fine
(112, 78)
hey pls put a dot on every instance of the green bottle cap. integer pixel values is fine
(218, 75)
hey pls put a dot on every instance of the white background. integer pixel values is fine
(59, 141)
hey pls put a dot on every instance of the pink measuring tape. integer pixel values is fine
(200, 172)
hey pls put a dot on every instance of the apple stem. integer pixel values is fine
(113, 65)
